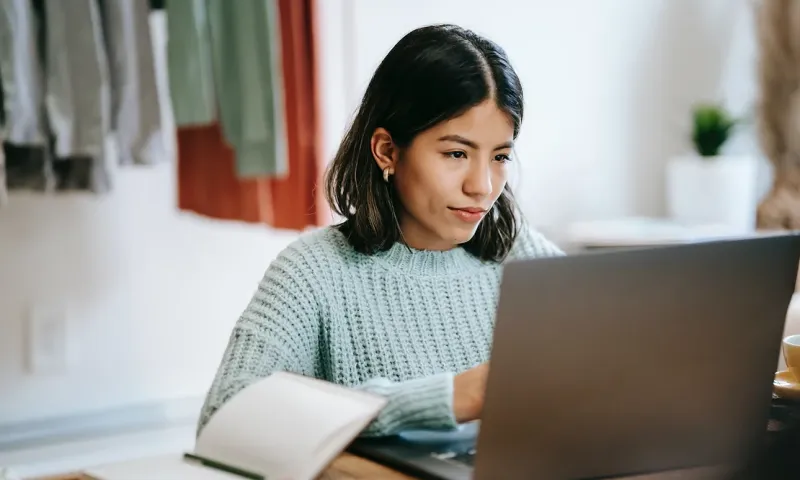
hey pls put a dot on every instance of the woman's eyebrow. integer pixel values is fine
(470, 143)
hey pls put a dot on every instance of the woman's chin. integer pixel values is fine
(463, 235)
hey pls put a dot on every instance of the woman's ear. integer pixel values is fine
(384, 151)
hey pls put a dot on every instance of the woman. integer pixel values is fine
(399, 299)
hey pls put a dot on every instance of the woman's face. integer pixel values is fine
(450, 176)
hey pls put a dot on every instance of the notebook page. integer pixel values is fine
(281, 424)
(164, 467)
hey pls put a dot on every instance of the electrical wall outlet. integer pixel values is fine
(47, 352)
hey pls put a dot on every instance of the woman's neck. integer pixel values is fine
(418, 237)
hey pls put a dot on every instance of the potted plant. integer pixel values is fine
(708, 187)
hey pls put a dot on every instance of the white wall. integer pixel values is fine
(152, 292)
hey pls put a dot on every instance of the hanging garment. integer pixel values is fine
(77, 79)
(245, 48)
(3, 188)
(135, 107)
(95, 64)
(25, 140)
(297, 195)
(191, 77)
(21, 67)
(2, 106)
(28, 168)
(208, 182)
(78, 97)
(35, 169)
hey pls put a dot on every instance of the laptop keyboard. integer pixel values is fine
(464, 457)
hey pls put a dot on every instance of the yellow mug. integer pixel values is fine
(791, 354)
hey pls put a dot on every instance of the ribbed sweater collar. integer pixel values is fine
(428, 262)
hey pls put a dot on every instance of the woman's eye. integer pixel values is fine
(457, 154)
(502, 158)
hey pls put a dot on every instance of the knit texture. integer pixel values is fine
(400, 323)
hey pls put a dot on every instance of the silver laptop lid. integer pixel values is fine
(635, 361)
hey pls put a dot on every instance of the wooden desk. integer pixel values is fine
(346, 467)
(351, 467)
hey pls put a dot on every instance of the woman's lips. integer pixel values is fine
(468, 214)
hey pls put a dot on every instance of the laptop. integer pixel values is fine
(617, 363)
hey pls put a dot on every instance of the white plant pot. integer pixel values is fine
(713, 191)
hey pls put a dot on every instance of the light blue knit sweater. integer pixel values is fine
(399, 323)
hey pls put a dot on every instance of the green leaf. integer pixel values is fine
(712, 127)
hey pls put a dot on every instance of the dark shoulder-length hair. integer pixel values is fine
(432, 74)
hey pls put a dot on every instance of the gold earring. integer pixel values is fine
(386, 172)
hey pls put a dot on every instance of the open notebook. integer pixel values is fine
(283, 427)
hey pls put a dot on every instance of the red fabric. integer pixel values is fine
(207, 181)
(302, 127)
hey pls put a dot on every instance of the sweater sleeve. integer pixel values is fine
(422, 403)
(280, 331)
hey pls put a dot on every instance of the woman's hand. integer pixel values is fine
(469, 388)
